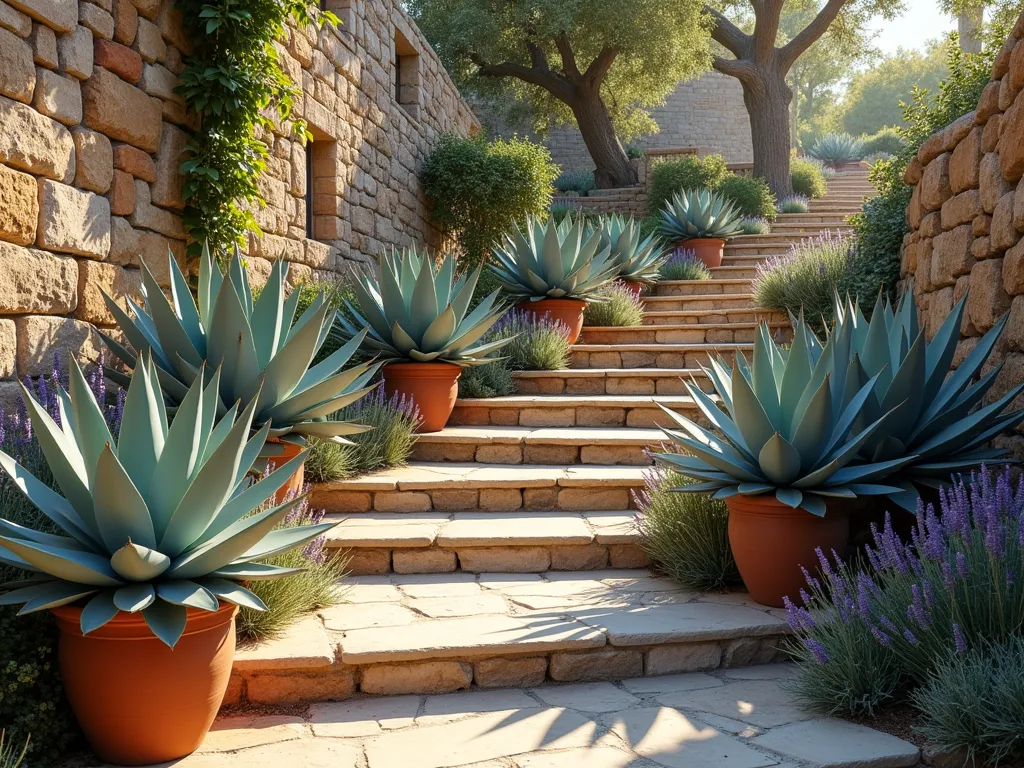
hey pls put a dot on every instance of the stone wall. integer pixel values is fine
(707, 114)
(92, 133)
(967, 217)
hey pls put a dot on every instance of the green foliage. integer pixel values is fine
(750, 194)
(683, 264)
(888, 140)
(618, 307)
(314, 587)
(634, 152)
(651, 226)
(575, 181)
(699, 213)
(686, 534)
(794, 204)
(326, 461)
(638, 257)
(233, 81)
(837, 148)
(491, 380)
(479, 187)
(670, 177)
(807, 177)
(753, 225)
(536, 345)
(975, 702)
(10, 754)
(389, 441)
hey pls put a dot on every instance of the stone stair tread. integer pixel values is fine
(563, 401)
(546, 435)
(589, 373)
(740, 324)
(666, 347)
(701, 297)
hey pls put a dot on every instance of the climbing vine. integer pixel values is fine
(233, 81)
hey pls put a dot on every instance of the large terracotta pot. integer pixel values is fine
(771, 542)
(632, 286)
(567, 311)
(293, 487)
(433, 387)
(138, 701)
(707, 249)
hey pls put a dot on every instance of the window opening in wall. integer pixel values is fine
(408, 85)
(309, 188)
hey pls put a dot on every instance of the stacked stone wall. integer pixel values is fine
(92, 134)
(967, 219)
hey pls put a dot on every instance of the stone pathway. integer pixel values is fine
(735, 718)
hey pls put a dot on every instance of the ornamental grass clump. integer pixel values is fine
(620, 307)
(685, 534)
(683, 264)
(794, 204)
(755, 225)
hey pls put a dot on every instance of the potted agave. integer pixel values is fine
(156, 543)
(261, 348)
(784, 454)
(702, 221)
(638, 259)
(419, 321)
(553, 269)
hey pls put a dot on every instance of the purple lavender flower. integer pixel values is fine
(817, 649)
(910, 638)
(961, 565)
(881, 637)
(959, 639)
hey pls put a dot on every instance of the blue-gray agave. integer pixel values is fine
(935, 411)
(260, 348)
(156, 521)
(552, 260)
(837, 148)
(412, 312)
(700, 213)
(788, 427)
(638, 259)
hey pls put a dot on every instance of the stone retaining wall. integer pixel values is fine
(967, 217)
(92, 134)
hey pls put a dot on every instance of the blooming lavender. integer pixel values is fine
(683, 264)
(794, 204)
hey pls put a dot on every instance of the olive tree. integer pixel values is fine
(597, 64)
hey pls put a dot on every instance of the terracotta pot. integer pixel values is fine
(707, 249)
(632, 286)
(433, 387)
(138, 701)
(298, 478)
(771, 541)
(567, 311)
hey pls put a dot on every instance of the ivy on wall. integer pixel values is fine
(234, 82)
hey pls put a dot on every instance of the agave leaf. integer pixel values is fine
(137, 563)
(7, 528)
(141, 441)
(779, 460)
(169, 328)
(185, 307)
(964, 404)
(326, 429)
(231, 346)
(812, 503)
(904, 392)
(748, 415)
(53, 595)
(953, 433)
(67, 564)
(863, 473)
(464, 296)
(791, 497)
(166, 621)
(254, 572)
(796, 373)
(940, 352)
(87, 421)
(232, 592)
(49, 502)
(268, 316)
(439, 332)
(327, 407)
(811, 435)
(283, 540)
(177, 462)
(134, 597)
(286, 370)
(328, 367)
(210, 280)
(98, 612)
(187, 593)
(125, 516)
(423, 306)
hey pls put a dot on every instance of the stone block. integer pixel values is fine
(935, 186)
(988, 300)
(991, 182)
(126, 22)
(119, 59)
(19, 212)
(1003, 232)
(682, 657)
(593, 498)
(39, 337)
(990, 134)
(94, 160)
(96, 19)
(75, 53)
(149, 42)
(504, 559)
(1013, 270)
(159, 81)
(73, 221)
(8, 362)
(115, 281)
(581, 557)
(420, 677)
(510, 673)
(149, 216)
(596, 665)
(368, 562)
(455, 500)
(501, 499)
(16, 21)
(17, 67)
(627, 556)
(34, 282)
(1011, 142)
(122, 111)
(59, 97)
(44, 47)
(296, 687)
(35, 143)
(166, 190)
(401, 501)
(132, 247)
(122, 194)
(134, 161)
(959, 209)
(61, 15)
(423, 561)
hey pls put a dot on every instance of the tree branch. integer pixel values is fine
(737, 68)
(550, 81)
(728, 34)
(810, 34)
(599, 67)
(766, 27)
(568, 57)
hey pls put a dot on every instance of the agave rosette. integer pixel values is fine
(410, 311)
(551, 260)
(700, 213)
(936, 413)
(158, 520)
(639, 259)
(260, 348)
(788, 427)
(837, 148)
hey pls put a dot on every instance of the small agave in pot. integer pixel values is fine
(699, 214)
(639, 258)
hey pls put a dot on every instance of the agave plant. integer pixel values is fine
(156, 521)
(552, 260)
(412, 312)
(789, 427)
(837, 148)
(638, 259)
(260, 348)
(700, 213)
(935, 413)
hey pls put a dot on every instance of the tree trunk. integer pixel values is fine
(767, 98)
(611, 165)
(969, 24)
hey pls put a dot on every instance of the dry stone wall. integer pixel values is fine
(967, 218)
(92, 134)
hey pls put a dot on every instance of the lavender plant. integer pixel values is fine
(683, 264)
(755, 225)
(794, 204)
(389, 442)
(621, 307)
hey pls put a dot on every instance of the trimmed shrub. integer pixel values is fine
(575, 181)
(794, 204)
(478, 187)
(686, 534)
(620, 308)
(689, 172)
(683, 264)
(808, 177)
(887, 139)
(750, 194)
(489, 380)
(754, 225)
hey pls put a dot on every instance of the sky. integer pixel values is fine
(922, 21)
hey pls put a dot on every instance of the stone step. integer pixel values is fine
(761, 251)
(812, 217)
(722, 286)
(610, 381)
(734, 270)
(787, 237)
(461, 487)
(571, 410)
(739, 300)
(680, 333)
(790, 228)
(665, 355)
(514, 541)
(712, 316)
(434, 633)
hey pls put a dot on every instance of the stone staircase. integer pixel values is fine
(506, 553)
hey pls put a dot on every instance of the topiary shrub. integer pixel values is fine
(887, 140)
(750, 194)
(689, 172)
(619, 308)
(478, 187)
(808, 177)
